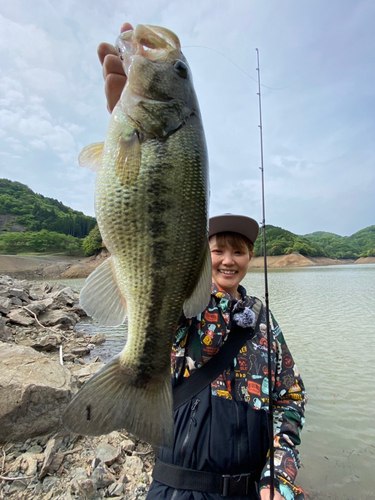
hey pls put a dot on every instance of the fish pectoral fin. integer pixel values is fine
(101, 297)
(128, 158)
(91, 156)
(109, 401)
(201, 295)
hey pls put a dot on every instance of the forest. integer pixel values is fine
(31, 222)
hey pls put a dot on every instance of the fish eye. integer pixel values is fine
(181, 68)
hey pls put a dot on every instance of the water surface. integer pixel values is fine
(327, 315)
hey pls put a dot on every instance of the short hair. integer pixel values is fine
(235, 240)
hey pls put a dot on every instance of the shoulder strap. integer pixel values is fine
(202, 377)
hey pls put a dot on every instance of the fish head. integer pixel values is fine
(159, 95)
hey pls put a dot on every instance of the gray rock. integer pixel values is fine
(5, 332)
(63, 298)
(37, 291)
(127, 445)
(48, 343)
(34, 390)
(18, 292)
(16, 301)
(98, 338)
(20, 317)
(39, 306)
(49, 483)
(5, 304)
(107, 453)
(102, 477)
(58, 318)
(116, 489)
(80, 351)
(83, 374)
(134, 465)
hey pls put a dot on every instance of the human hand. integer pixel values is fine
(265, 494)
(113, 72)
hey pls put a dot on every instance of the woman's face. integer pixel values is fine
(229, 266)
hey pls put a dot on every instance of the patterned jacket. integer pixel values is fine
(198, 339)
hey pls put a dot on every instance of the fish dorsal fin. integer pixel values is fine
(91, 156)
(128, 158)
(101, 297)
(201, 295)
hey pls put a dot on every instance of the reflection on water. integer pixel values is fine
(327, 315)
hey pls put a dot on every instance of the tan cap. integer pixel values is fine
(235, 224)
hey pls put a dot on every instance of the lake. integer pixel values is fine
(327, 315)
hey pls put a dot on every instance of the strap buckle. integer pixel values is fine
(239, 485)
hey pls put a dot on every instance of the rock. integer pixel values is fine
(39, 306)
(98, 338)
(48, 343)
(58, 318)
(33, 392)
(63, 298)
(20, 317)
(49, 483)
(127, 445)
(81, 351)
(102, 477)
(107, 453)
(5, 332)
(134, 465)
(15, 301)
(5, 304)
(83, 374)
(116, 489)
(20, 293)
(50, 463)
(37, 291)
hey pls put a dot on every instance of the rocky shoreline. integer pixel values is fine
(42, 364)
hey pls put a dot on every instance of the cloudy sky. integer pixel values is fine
(317, 70)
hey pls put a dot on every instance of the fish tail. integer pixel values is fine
(109, 401)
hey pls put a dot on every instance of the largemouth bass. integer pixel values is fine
(151, 208)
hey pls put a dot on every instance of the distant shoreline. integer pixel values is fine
(298, 260)
(43, 267)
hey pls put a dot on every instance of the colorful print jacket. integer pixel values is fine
(198, 339)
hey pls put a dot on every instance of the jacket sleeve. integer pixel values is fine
(289, 398)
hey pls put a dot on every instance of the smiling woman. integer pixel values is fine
(232, 240)
(230, 261)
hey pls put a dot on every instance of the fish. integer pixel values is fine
(151, 205)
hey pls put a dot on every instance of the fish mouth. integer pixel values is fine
(151, 42)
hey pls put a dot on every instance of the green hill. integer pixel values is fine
(282, 242)
(23, 210)
(359, 244)
(318, 244)
(31, 222)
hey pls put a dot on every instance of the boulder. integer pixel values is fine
(5, 332)
(40, 306)
(63, 298)
(58, 318)
(34, 390)
(5, 305)
(20, 317)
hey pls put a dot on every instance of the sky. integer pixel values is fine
(318, 108)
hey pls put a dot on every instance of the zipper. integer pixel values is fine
(192, 423)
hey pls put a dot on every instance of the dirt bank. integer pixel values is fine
(298, 260)
(37, 267)
(33, 267)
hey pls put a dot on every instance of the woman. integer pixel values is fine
(221, 433)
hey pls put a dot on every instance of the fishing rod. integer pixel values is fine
(269, 338)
